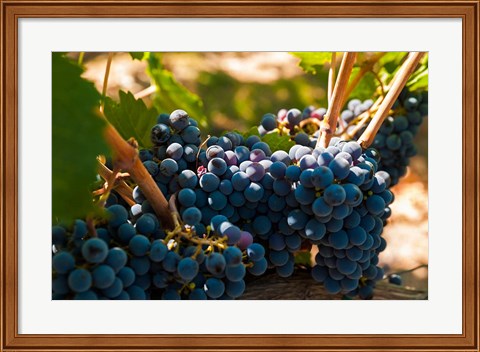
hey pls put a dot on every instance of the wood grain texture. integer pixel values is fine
(302, 286)
(468, 11)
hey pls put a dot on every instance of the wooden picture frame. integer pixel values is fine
(12, 10)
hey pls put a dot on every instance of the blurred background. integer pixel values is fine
(238, 88)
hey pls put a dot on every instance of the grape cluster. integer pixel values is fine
(394, 140)
(130, 256)
(243, 209)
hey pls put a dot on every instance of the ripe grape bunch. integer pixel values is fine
(242, 210)
(394, 141)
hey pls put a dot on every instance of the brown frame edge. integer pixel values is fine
(12, 10)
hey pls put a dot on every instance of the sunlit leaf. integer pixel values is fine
(277, 141)
(131, 118)
(171, 94)
(312, 62)
(77, 138)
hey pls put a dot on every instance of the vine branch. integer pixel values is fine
(331, 75)
(105, 78)
(122, 188)
(126, 158)
(335, 104)
(396, 86)
(366, 67)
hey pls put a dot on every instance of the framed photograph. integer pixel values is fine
(278, 223)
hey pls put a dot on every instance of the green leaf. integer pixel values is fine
(77, 139)
(171, 94)
(137, 55)
(418, 81)
(278, 142)
(131, 118)
(391, 61)
(312, 62)
(253, 131)
(419, 78)
(303, 258)
(367, 86)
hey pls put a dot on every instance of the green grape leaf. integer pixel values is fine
(367, 86)
(137, 55)
(418, 81)
(253, 131)
(303, 258)
(77, 139)
(171, 94)
(278, 142)
(391, 61)
(312, 62)
(131, 118)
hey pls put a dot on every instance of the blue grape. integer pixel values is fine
(190, 135)
(334, 195)
(375, 204)
(95, 250)
(168, 167)
(103, 276)
(145, 224)
(214, 288)
(187, 269)
(116, 258)
(139, 245)
(127, 275)
(254, 192)
(357, 236)
(209, 182)
(315, 230)
(235, 288)
(140, 265)
(235, 272)
(79, 280)
(255, 252)
(321, 208)
(197, 294)
(117, 215)
(269, 122)
(233, 256)
(63, 262)
(338, 240)
(217, 166)
(160, 134)
(261, 225)
(179, 120)
(293, 173)
(187, 197)
(192, 216)
(259, 267)
(395, 279)
(215, 263)
(187, 179)
(217, 200)
(175, 151)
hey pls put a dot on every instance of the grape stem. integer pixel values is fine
(80, 58)
(105, 78)
(122, 188)
(146, 92)
(331, 75)
(396, 86)
(126, 158)
(329, 124)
